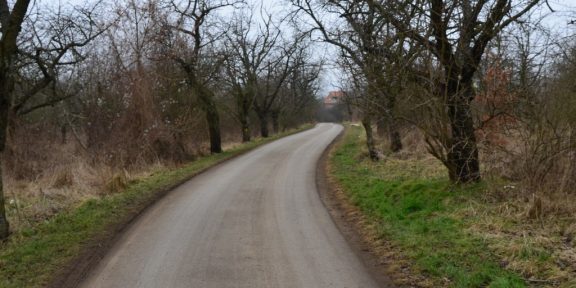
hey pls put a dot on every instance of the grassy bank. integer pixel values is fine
(415, 208)
(33, 256)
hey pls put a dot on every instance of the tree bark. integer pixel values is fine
(6, 90)
(275, 122)
(244, 110)
(463, 162)
(387, 127)
(4, 225)
(207, 104)
(213, 119)
(372, 152)
(394, 137)
(246, 133)
(11, 27)
(6, 86)
(214, 129)
(393, 133)
(381, 127)
(263, 117)
(382, 92)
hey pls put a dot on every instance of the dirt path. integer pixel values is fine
(256, 221)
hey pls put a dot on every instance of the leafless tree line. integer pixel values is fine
(142, 80)
(135, 82)
(433, 58)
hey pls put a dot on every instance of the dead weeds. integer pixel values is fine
(532, 234)
(531, 229)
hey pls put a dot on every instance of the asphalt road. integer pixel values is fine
(255, 221)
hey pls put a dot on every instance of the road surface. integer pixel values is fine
(255, 221)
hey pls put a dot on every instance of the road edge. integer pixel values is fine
(348, 219)
(73, 273)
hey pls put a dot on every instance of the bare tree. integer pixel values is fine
(135, 102)
(11, 26)
(34, 49)
(369, 41)
(275, 72)
(457, 34)
(249, 54)
(358, 96)
(193, 48)
(298, 97)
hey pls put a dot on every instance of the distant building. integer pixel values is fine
(334, 98)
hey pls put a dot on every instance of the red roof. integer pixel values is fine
(334, 97)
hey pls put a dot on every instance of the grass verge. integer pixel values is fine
(34, 256)
(414, 207)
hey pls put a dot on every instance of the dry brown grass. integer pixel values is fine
(44, 176)
(541, 249)
(65, 186)
(530, 226)
(48, 169)
(528, 209)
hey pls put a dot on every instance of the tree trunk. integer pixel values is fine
(381, 127)
(245, 126)
(381, 92)
(393, 133)
(275, 122)
(213, 120)
(394, 136)
(263, 117)
(4, 225)
(463, 163)
(214, 129)
(244, 105)
(8, 50)
(372, 152)
(246, 133)
(5, 87)
(387, 127)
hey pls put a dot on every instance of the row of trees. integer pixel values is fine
(143, 83)
(426, 55)
(132, 86)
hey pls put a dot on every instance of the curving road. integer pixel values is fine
(255, 221)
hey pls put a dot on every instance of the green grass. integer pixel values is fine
(414, 209)
(31, 257)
